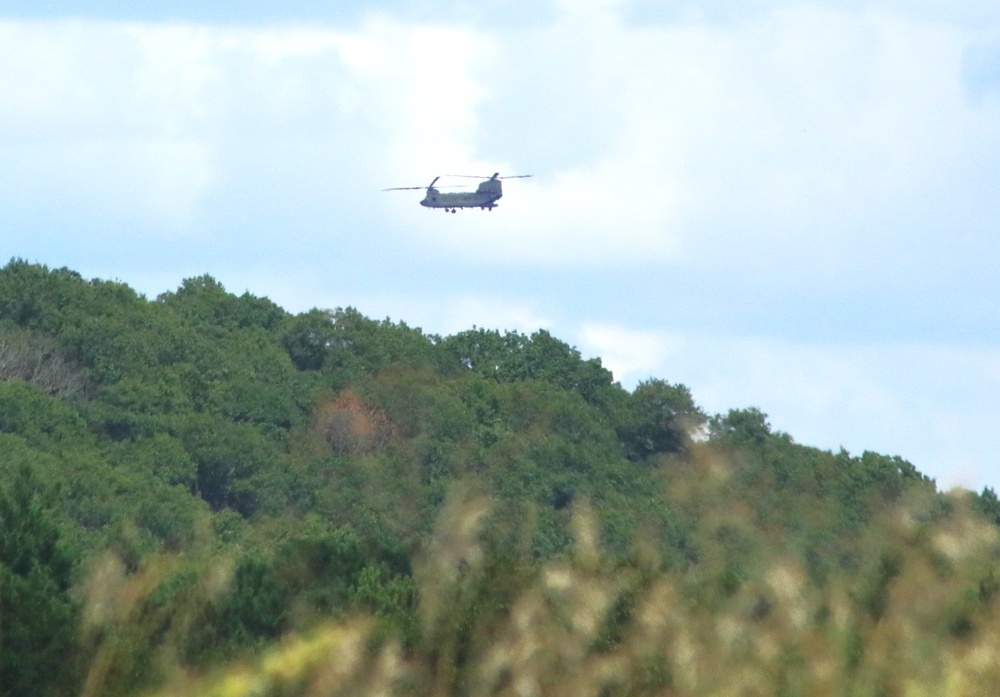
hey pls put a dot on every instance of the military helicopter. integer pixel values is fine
(484, 197)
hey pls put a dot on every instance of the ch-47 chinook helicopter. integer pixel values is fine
(484, 197)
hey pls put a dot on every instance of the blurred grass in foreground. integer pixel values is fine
(918, 620)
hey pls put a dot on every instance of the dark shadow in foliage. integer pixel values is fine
(227, 456)
(561, 496)
(872, 594)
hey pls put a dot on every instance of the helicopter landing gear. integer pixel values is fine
(454, 210)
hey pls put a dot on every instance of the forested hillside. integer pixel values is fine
(205, 494)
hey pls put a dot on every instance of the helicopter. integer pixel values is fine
(484, 197)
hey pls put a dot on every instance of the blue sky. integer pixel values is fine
(779, 204)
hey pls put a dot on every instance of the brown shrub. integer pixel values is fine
(350, 427)
(33, 358)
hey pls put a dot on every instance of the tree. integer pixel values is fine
(227, 456)
(308, 338)
(203, 300)
(741, 427)
(660, 419)
(254, 611)
(37, 616)
(511, 357)
(34, 297)
(360, 346)
(988, 505)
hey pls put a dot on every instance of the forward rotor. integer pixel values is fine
(495, 176)
(458, 186)
(422, 188)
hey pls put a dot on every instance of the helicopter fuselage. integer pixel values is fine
(485, 196)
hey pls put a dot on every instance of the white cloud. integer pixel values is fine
(649, 143)
(966, 13)
(94, 120)
(784, 139)
(420, 85)
(157, 182)
(631, 355)
(151, 121)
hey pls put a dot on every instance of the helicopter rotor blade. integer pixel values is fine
(421, 188)
(476, 176)
(456, 186)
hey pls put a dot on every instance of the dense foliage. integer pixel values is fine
(187, 480)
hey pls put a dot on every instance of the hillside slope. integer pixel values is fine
(188, 479)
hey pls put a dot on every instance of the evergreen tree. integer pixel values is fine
(37, 616)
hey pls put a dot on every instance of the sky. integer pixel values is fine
(788, 205)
